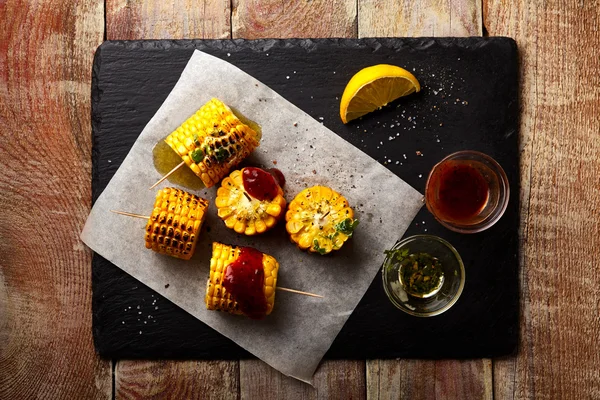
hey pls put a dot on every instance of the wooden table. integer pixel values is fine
(46, 51)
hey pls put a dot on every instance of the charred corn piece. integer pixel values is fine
(244, 213)
(320, 219)
(175, 223)
(213, 141)
(218, 298)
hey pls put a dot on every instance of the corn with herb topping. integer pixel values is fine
(213, 141)
(320, 220)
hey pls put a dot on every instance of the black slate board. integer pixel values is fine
(468, 101)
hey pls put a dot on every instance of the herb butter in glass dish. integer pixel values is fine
(423, 275)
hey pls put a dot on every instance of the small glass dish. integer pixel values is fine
(467, 191)
(444, 296)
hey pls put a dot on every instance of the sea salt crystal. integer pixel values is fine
(287, 77)
(420, 175)
(228, 54)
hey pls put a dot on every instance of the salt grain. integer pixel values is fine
(287, 77)
(228, 54)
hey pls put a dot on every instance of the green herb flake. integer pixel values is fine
(318, 248)
(197, 155)
(420, 273)
(347, 226)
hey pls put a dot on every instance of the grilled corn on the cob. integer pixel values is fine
(320, 219)
(244, 213)
(219, 298)
(174, 226)
(213, 141)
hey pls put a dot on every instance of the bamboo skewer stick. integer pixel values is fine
(299, 292)
(130, 214)
(277, 288)
(181, 164)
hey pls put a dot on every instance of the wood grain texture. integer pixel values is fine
(391, 379)
(333, 379)
(560, 216)
(176, 19)
(419, 18)
(46, 52)
(255, 19)
(176, 380)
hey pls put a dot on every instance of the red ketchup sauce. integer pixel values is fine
(244, 279)
(462, 192)
(259, 183)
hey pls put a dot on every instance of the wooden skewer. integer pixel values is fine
(299, 292)
(130, 214)
(278, 287)
(181, 164)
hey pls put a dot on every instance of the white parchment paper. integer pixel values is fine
(294, 338)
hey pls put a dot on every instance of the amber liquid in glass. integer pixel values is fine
(460, 192)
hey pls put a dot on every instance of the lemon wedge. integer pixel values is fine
(374, 87)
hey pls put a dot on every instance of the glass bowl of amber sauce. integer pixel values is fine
(467, 191)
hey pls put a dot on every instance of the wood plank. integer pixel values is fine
(560, 126)
(176, 380)
(255, 19)
(46, 350)
(333, 379)
(391, 379)
(423, 18)
(395, 379)
(178, 19)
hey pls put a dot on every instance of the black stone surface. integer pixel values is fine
(468, 101)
